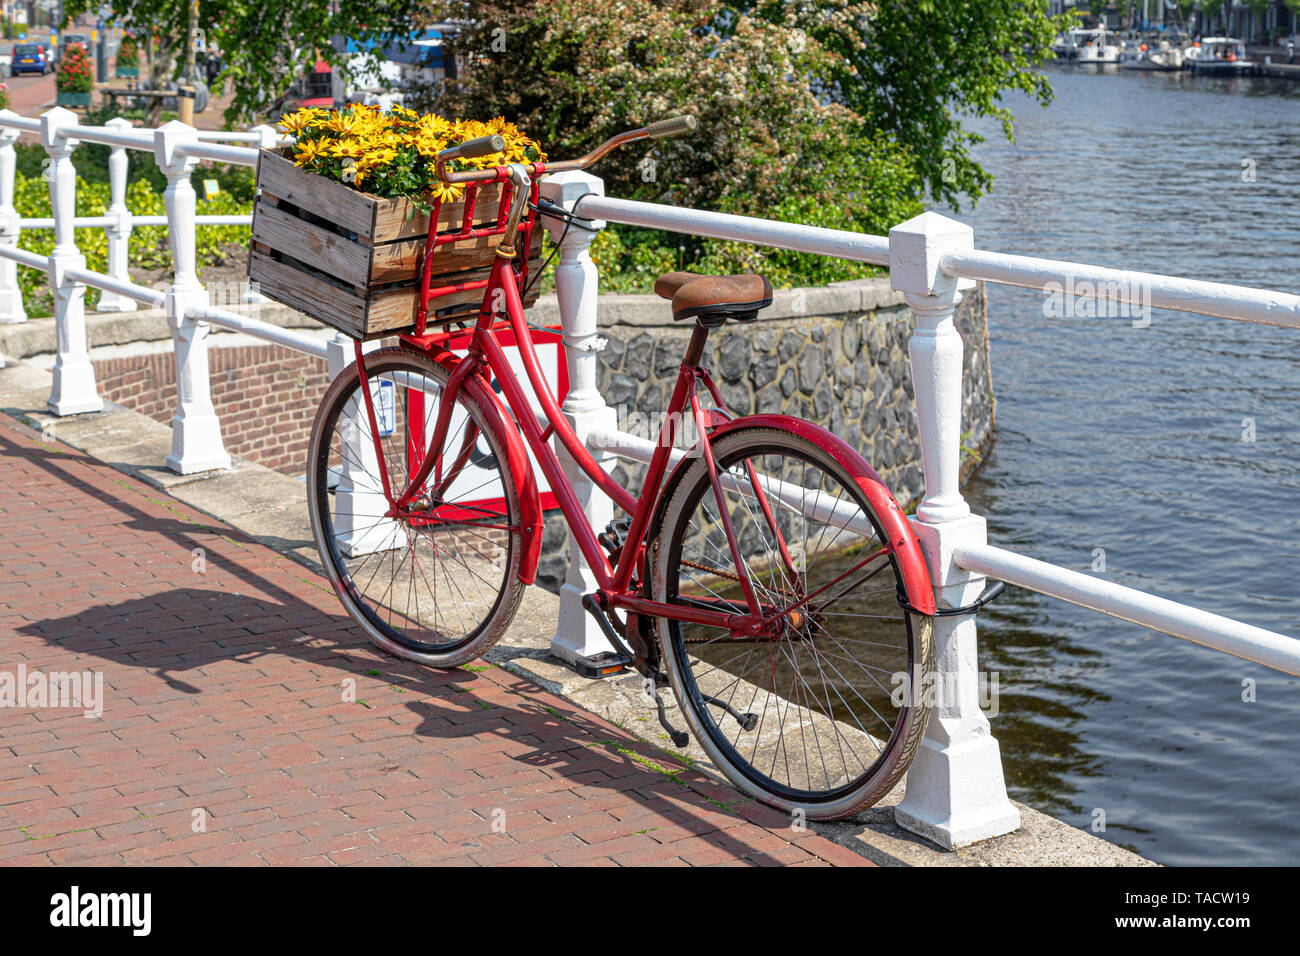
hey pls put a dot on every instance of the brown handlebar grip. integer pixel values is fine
(671, 127)
(483, 146)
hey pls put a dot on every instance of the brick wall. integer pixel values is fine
(265, 397)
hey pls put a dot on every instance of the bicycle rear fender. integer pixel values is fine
(521, 467)
(907, 548)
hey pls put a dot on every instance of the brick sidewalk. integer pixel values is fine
(224, 672)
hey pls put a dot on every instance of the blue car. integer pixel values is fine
(29, 58)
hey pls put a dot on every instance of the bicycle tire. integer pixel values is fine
(398, 637)
(683, 517)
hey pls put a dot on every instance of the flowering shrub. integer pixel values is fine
(75, 75)
(4, 97)
(392, 153)
(128, 53)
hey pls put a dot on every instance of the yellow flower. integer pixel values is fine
(308, 152)
(436, 126)
(295, 123)
(347, 149)
(447, 192)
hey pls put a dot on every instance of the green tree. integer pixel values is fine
(770, 141)
(265, 44)
(916, 69)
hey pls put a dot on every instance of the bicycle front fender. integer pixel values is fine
(530, 504)
(906, 545)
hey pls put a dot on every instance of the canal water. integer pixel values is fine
(1164, 457)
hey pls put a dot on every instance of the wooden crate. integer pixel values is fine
(352, 260)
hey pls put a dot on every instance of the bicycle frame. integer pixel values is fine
(486, 357)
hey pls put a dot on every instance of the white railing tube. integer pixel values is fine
(298, 341)
(24, 124)
(119, 225)
(136, 293)
(73, 390)
(1145, 289)
(24, 257)
(239, 155)
(11, 293)
(118, 133)
(839, 243)
(196, 430)
(1129, 604)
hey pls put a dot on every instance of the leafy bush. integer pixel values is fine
(770, 141)
(840, 113)
(148, 245)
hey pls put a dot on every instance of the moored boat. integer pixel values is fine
(1155, 51)
(1220, 56)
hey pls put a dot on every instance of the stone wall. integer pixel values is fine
(835, 355)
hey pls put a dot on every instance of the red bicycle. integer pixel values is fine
(764, 572)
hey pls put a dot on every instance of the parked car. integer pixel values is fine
(30, 58)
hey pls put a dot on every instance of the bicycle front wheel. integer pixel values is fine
(816, 717)
(439, 586)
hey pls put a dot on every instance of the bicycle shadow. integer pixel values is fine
(178, 635)
(667, 793)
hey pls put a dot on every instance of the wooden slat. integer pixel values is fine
(333, 254)
(334, 202)
(400, 261)
(315, 297)
(391, 220)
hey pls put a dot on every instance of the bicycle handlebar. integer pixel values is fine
(656, 130)
(671, 127)
(473, 148)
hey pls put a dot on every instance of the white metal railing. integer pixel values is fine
(955, 793)
(176, 148)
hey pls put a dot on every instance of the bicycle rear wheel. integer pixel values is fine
(817, 717)
(441, 586)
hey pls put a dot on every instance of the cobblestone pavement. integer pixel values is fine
(245, 721)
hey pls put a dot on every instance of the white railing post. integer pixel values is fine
(73, 391)
(119, 233)
(577, 636)
(359, 502)
(956, 793)
(11, 294)
(196, 431)
(267, 136)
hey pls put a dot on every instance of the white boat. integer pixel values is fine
(1155, 52)
(1094, 46)
(1220, 56)
(1064, 47)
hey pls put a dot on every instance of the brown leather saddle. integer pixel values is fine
(712, 300)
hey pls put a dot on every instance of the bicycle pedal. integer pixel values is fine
(679, 737)
(614, 534)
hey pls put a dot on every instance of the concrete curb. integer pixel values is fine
(271, 508)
